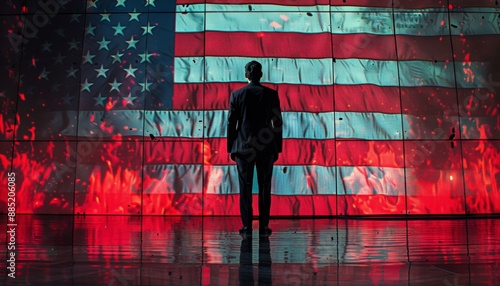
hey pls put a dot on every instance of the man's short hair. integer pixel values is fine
(253, 71)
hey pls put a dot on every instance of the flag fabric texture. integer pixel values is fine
(389, 107)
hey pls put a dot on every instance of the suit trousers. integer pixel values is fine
(264, 164)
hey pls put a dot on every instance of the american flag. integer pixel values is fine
(390, 107)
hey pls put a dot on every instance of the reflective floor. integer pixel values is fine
(153, 250)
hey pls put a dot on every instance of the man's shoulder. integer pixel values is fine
(268, 89)
(241, 89)
(254, 87)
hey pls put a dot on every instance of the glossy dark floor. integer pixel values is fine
(124, 250)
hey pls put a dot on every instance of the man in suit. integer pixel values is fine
(254, 138)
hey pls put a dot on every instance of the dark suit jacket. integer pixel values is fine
(254, 121)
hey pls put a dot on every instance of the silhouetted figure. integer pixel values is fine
(254, 138)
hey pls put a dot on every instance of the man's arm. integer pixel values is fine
(277, 123)
(232, 122)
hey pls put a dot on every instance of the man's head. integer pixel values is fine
(253, 71)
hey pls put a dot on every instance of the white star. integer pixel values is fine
(59, 59)
(117, 57)
(72, 72)
(145, 57)
(46, 47)
(129, 98)
(145, 86)
(86, 85)
(105, 17)
(88, 58)
(118, 29)
(130, 71)
(91, 4)
(74, 18)
(148, 29)
(115, 85)
(103, 44)
(67, 99)
(150, 2)
(99, 100)
(44, 74)
(101, 72)
(73, 44)
(90, 30)
(134, 16)
(132, 43)
(120, 3)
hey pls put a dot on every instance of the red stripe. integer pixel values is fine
(476, 48)
(428, 101)
(189, 44)
(188, 96)
(367, 46)
(305, 98)
(367, 98)
(295, 152)
(178, 152)
(268, 44)
(416, 4)
(410, 47)
(370, 153)
(409, 4)
(398, 4)
(364, 46)
(363, 3)
(302, 98)
(371, 204)
(456, 4)
(428, 48)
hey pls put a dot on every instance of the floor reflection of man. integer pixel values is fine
(265, 272)
(246, 266)
(265, 262)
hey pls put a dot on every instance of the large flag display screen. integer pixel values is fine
(120, 107)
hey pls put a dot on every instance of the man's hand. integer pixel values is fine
(233, 157)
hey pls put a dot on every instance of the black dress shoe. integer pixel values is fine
(266, 230)
(245, 230)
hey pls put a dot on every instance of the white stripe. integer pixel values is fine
(232, 69)
(190, 124)
(370, 180)
(341, 20)
(305, 180)
(319, 71)
(249, 8)
(212, 124)
(315, 180)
